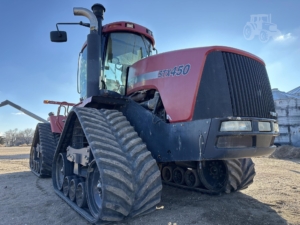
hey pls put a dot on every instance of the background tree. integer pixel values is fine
(16, 138)
(26, 136)
(2, 140)
(11, 137)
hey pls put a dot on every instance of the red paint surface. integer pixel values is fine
(178, 93)
(121, 26)
(57, 123)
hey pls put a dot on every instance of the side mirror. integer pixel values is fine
(58, 36)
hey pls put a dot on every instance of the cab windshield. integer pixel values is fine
(123, 50)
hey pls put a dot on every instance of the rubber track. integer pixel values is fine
(240, 174)
(248, 169)
(130, 178)
(45, 137)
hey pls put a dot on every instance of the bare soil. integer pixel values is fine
(286, 152)
(274, 198)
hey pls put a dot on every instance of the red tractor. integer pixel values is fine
(190, 118)
(45, 140)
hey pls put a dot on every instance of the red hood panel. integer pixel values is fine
(176, 75)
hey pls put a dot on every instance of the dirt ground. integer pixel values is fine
(274, 198)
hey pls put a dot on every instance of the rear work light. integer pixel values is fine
(236, 126)
(264, 126)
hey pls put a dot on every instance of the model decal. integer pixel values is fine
(141, 78)
(176, 71)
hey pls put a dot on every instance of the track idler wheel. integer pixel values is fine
(81, 195)
(191, 178)
(63, 169)
(167, 173)
(213, 175)
(178, 175)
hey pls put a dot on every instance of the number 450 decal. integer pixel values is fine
(176, 71)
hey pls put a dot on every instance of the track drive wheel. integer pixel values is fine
(42, 150)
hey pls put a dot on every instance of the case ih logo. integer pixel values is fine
(260, 25)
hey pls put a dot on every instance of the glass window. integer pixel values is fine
(81, 74)
(123, 50)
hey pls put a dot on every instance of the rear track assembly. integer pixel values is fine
(42, 150)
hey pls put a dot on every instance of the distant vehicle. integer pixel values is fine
(262, 26)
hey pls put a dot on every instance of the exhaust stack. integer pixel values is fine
(93, 47)
(79, 11)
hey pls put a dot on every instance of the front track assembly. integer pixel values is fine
(211, 176)
(102, 169)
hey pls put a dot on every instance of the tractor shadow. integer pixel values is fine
(179, 206)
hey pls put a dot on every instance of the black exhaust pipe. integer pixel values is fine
(93, 47)
(98, 11)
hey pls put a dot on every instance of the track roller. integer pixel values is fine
(178, 175)
(167, 173)
(191, 178)
(66, 185)
(72, 191)
(81, 195)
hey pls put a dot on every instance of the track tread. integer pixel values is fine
(143, 165)
(47, 141)
(240, 174)
(248, 168)
(124, 164)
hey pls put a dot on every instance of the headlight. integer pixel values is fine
(276, 127)
(236, 126)
(264, 126)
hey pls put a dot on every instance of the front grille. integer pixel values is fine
(249, 86)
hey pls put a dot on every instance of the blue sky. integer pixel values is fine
(34, 69)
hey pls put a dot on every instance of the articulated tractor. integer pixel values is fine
(190, 118)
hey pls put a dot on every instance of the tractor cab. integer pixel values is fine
(123, 44)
